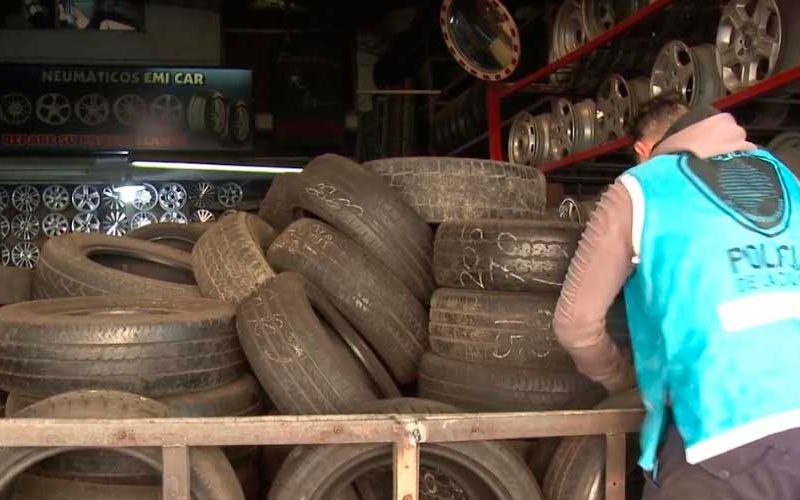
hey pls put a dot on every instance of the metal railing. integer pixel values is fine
(407, 432)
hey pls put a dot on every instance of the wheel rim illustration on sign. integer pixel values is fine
(129, 108)
(168, 109)
(53, 109)
(15, 109)
(92, 109)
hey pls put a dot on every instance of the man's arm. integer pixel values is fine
(596, 275)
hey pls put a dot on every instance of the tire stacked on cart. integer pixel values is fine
(342, 326)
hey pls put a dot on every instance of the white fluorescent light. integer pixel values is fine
(215, 167)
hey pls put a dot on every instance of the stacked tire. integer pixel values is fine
(343, 326)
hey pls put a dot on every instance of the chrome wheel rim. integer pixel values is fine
(25, 255)
(749, 40)
(5, 227)
(202, 194)
(5, 255)
(4, 198)
(568, 30)
(230, 195)
(203, 215)
(25, 198)
(691, 72)
(55, 224)
(85, 222)
(562, 129)
(172, 196)
(85, 198)
(115, 223)
(55, 198)
(146, 198)
(175, 217)
(618, 101)
(141, 219)
(521, 139)
(112, 199)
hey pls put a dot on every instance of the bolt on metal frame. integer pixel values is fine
(407, 432)
(496, 92)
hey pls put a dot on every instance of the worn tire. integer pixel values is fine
(72, 266)
(178, 236)
(149, 346)
(228, 259)
(239, 398)
(480, 387)
(510, 256)
(275, 208)
(212, 476)
(445, 189)
(488, 468)
(376, 303)
(358, 203)
(501, 328)
(16, 285)
(303, 368)
(577, 469)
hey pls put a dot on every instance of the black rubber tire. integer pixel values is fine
(178, 236)
(481, 387)
(69, 267)
(228, 259)
(444, 189)
(359, 204)
(149, 346)
(239, 398)
(376, 303)
(510, 256)
(312, 472)
(16, 285)
(275, 208)
(303, 368)
(499, 328)
(577, 469)
(212, 476)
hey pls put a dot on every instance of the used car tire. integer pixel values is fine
(304, 367)
(228, 259)
(150, 346)
(376, 303)
(275, 208)
(239, 398)
(480, 387)
(510, 256)
(178, 236)
(358, 203)
(16, 285)
(489, 469)
(212, 476)
(444, 189)
(80, 264)
(577, 469)
(502, 328)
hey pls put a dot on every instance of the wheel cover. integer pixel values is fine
(749, 41)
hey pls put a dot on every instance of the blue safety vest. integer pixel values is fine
(714, 302)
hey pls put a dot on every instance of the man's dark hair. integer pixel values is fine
(657, 115)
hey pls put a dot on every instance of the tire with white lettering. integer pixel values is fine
(392, 321)
(80, 264)
(304, 367)
(482, 387)
(504, 255)
(499, 328)
(178, 236)
(211, 474)
(474, 470)
(275, 208)
(360, 205)
(443, 189)
(577, 469)
(228, 259)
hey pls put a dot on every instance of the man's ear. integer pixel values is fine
(643, 148)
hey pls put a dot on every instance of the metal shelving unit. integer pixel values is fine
(496, 92)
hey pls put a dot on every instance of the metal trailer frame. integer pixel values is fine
(497, 91)
(406, 432)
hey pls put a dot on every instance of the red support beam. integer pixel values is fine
(494, 121)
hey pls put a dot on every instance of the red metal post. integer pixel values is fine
(494, 120)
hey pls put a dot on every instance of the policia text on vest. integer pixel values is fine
(764, 266)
